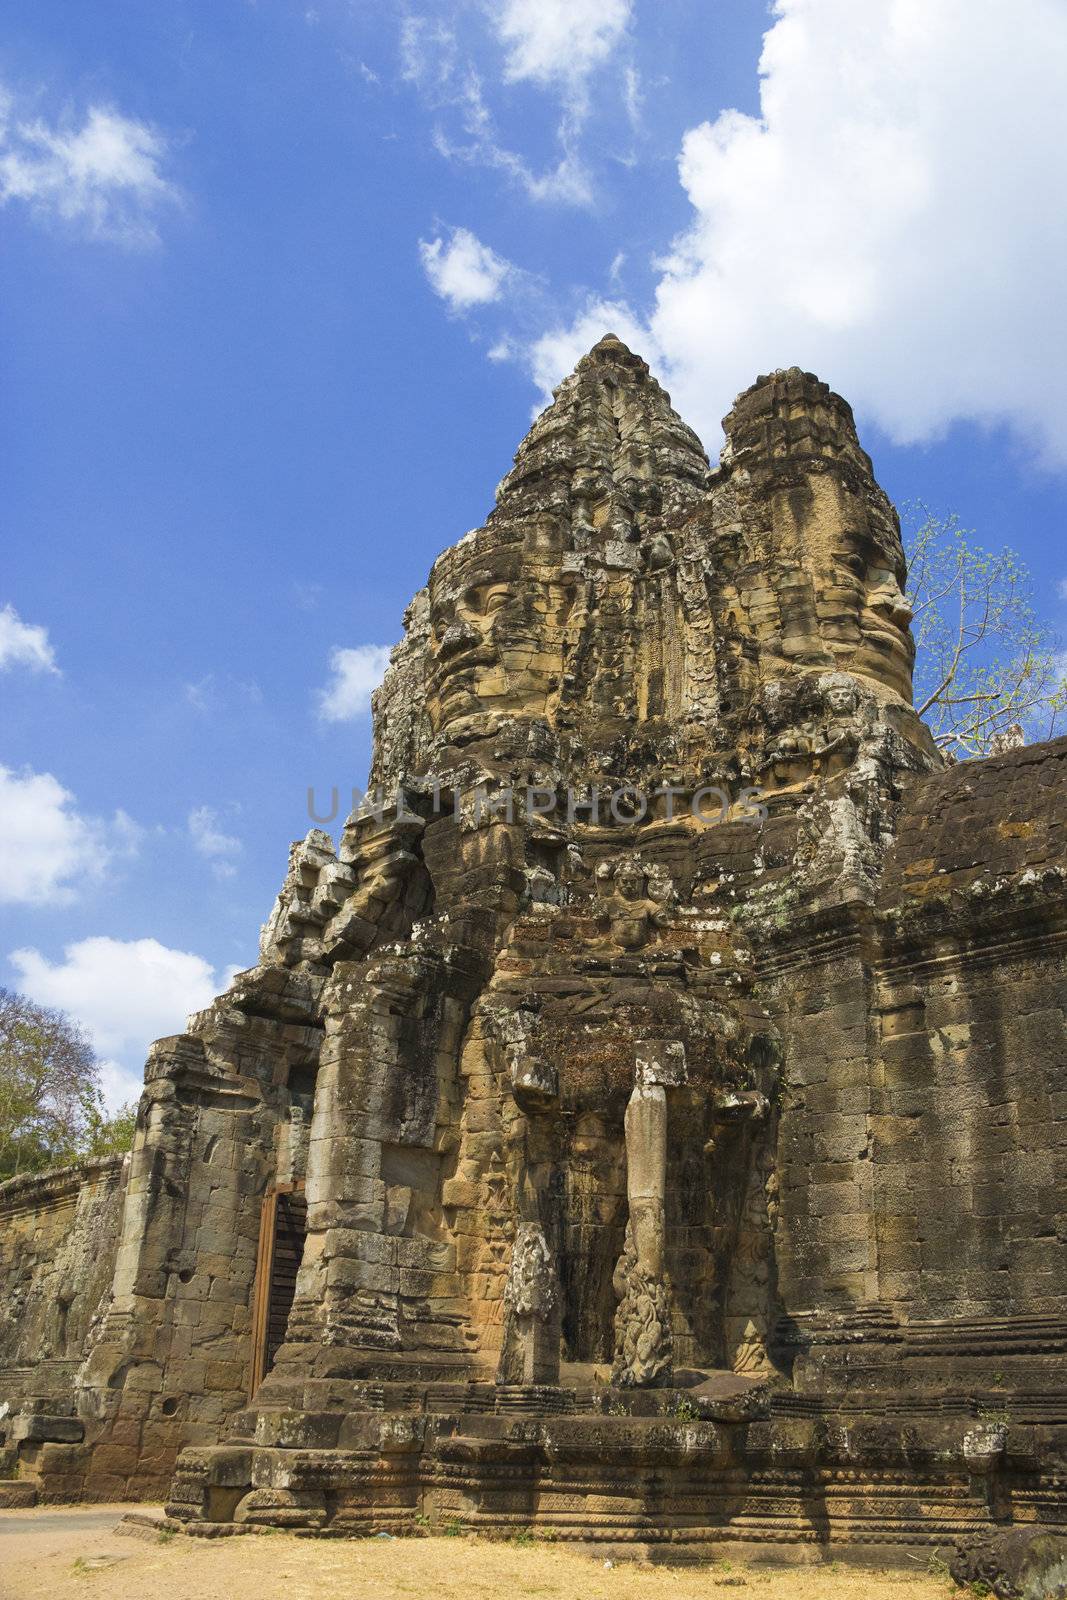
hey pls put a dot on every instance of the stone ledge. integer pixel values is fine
(16, 1496)
(33, 1189)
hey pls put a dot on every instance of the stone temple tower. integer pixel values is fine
(620, 590)
(576, 1154)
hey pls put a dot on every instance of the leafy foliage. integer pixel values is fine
(112, 1136)
(985, 670)
(51, 1107)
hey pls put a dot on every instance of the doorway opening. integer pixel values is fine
(282, 1230)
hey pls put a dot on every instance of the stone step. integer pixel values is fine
(16, 1496)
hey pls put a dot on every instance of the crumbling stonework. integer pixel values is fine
(58, 1235)
(662, 1085)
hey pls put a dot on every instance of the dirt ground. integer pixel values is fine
(54, 1554)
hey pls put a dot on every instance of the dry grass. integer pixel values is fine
(279, 1567)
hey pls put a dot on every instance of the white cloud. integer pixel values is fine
(428, 52)
(212, 843)
(211, 694)
(1061, 588)
(633, 96)
(119, 1085)
(24, 644)
(48, 849)
(888, 222)
(431, 60)
(464, 272)
(105, 175)
(125, 993)
(356, 674)
(567, 183)
(558, 40)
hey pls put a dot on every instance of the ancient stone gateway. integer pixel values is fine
(649, 1125)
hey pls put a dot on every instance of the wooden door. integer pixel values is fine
(282, 1229)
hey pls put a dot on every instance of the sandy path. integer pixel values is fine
(73, 1551)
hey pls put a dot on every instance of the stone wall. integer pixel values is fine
(922, 1138)
(969, 1093)
(224, 1115)
(58, 1237)
(158, 1253)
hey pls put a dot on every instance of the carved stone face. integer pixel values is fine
(629, 881)
(839, 694)
(494, 642)
(465, 654)
(888, 649)
(874, 612)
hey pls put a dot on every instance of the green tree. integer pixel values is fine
(51, 1107)
(985, 668)
(112, 1136)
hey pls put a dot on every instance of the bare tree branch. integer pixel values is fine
(984, 664)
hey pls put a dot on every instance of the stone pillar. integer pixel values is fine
(643, 1338)
(530, 1352)
(646, 1173)
(532, 1301)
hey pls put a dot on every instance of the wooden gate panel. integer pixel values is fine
(282, 1230)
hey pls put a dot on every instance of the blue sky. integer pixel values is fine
(282, 286)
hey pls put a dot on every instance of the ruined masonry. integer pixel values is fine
(607, 1170)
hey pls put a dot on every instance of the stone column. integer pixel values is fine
(643, 1338)
(532, 1303)
(530, 1353)
(646, 1173)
